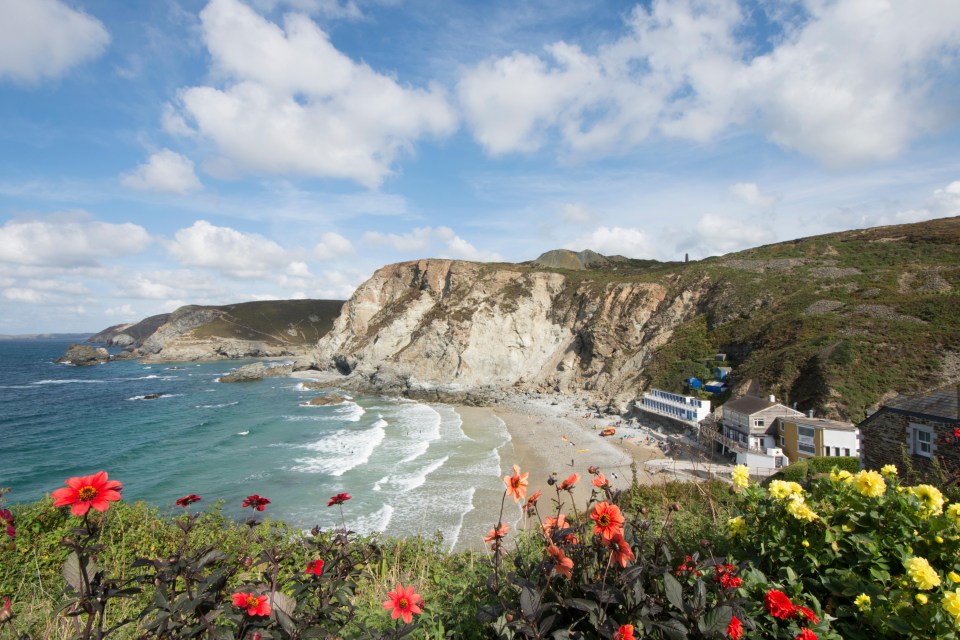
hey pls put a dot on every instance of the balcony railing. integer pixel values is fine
(710, 432)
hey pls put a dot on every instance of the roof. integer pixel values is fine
(748, 404)
(940, 403)
(820, 423)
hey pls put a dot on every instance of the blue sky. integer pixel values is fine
(155, 154)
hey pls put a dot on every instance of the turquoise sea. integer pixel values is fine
(409, 467)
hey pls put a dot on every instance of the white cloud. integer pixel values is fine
(65, 241)
(456, 247)
(416, 240)
(42, 39)
(718, 234)
(856, 81)
(327, 8)
(166, 171)
(292, 103)
(630, 243)
(20, 294)
(124, 311)
(232, 252)
(943, 203)
(332, 245)
(575, 212)
(440, 242)
(749, 193)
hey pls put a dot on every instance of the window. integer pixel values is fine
(846, 452)
(836, 451)
(922, 442)
(805, 442)
(782, 442)
(759, 422)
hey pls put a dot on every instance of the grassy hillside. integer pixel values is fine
(281, 321)
(832, 322)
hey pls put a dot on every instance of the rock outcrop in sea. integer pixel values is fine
(83, 355)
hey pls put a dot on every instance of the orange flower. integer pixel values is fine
(255, 605)
(621, 551)
(498, 533)
(625, 632)
(570, 482)
(600, 481)
(516, 484)
(403, 603)
(550, 523)
(88, 491)
(531, 502)
(608, 521)
(561, 563)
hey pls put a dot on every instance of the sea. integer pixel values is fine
(168, 430)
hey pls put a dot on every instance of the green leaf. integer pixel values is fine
(674, 591)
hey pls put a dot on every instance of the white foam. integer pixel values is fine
(69, 382)
(343, 411)
(379, 520)
(455, 533)
(401, 482)
(420, 425)
(243, 433)
(342, 450)
(216, 406)
(155, 396)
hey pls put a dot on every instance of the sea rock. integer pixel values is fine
(257, 371)
(83, 355)
(322, 401)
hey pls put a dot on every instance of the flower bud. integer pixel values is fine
(675, 506)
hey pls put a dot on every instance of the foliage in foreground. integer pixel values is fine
(849, 556)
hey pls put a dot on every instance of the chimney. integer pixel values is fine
(772, 398)
(809, 413)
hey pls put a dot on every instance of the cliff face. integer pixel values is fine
(458, 326)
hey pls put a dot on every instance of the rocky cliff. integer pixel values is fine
(831, 323)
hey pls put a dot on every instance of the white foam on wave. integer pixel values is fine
(408, 481)
(243, 433)
(216, 406)
(379, 520)
(420, 426)
(454, 535)
(342, 450)
(342, 411)
(157, 396)
(69, 382)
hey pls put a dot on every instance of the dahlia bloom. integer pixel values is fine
(922, 574)
(951, 604)
(779, 605)
(621, 551)
(806, 634)
(741, 476)
(340, 498)
(736, 526)
(931, 500)
(806, 614)
(600, 481)
(862, 601)
(570, 482)
(531, 502)
(889, 470)
(782, 490)
(625, 632)
(403, 603)
(315, 567)
(735, 628)
(799, 509)
(842, 475)
(186, 501)
(84, 492)
(256, 502)
(7, 518)
(561, 563)
(495, 535)
(608, 521)
(254, 605)
(869, 483)
(516, 484)
(953, 512)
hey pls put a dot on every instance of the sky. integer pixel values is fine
(171, 152)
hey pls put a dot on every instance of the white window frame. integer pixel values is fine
(914, 444)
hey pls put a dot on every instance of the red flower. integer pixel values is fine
(807, 614)
(7, 517)
(495, 535)
(516, 484)
(622, 553)
(315, 567)
(255, 605)
(404, 603)
(625, 632)
(806, 634)
(735, 628)
(561, 563)
(570, 482)
(600, 481)
(186, 501)
(608, 521)
(531, 502)
(778, 604)
(340, 498)
(88, 491)
(256, 502)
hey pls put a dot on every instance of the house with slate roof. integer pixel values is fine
(921, 427)
(748, 429)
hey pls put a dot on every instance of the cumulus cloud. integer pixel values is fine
(332, 245)
(630, 243)
(575, 212)
(42, 39)
(943, 203)
(290, 102)
(123, 311)
(231, 252)
(69, 242)
(749, 193)
(848, 82)
(443, 242)
(718, 234)
(166, 171)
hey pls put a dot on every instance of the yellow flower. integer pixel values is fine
(922, 598)
(931, 500)
(840, 476)
(799, 509)
(938, 539)
(870, 484)
(951, 603)
(783, 490)
(741, 476)
(953, 512)
(736, 526)
(922, 574)
(862, 601)
(889, 470)
(953, 577)
(805, 544)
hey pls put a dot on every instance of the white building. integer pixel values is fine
(688, 409)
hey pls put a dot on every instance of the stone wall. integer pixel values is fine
(883, 440)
